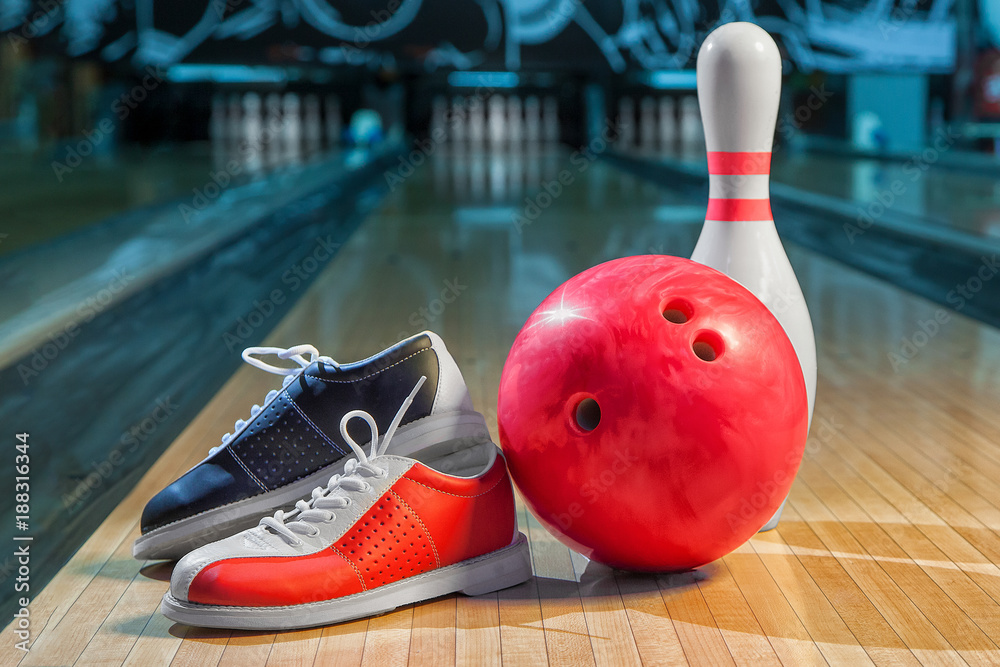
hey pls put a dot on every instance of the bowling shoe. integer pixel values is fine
(291, 443)
(387, 531)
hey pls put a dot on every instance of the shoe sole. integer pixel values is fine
(177, 539)
(504, 568)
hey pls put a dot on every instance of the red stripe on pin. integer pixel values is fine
(724, 163)
(732, 210)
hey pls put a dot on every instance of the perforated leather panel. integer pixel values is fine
(388, 543)
(280, 446)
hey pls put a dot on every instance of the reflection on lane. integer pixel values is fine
(957, 199)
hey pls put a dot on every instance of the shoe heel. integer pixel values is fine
(508, 567)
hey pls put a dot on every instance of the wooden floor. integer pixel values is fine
(888, 552)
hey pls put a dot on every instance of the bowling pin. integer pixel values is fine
(291, 127)
(667, 124)
(477, 122)
(692, 133)
(253, 131)
(497, 119)
(272, 119)
(459, 122)
(647, 124)
(515, 124)
(739, 83)
(498, 177)
(550, 120)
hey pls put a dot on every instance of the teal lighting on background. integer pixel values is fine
(483, 79)
(670, 79)
(226, 74)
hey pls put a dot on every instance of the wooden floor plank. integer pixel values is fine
(970, 590)
(129, 618)
(699, 634)
(813, 609)
(607, 621)
(522, 633)
(65, 640)
(477, 640)
(893, 603)
(387, 642)
(342, 645)
(742, 632)
(156, 643)
(789, 639)
(295, 649)
(829, 584)
(652, 628)
(951, 620)
(432, 636)
(201, 646)
(247, 648)
(567, 638)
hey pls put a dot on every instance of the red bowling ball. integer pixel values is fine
(653, 413)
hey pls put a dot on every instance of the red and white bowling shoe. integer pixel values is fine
(389, 531)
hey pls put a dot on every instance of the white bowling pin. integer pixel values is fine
(459, 121)
(692, 134)
(291, 127)
(252, 131)
(272, 121)
(515, 123)
(498, 177)
(497, 119)
(668, 123)
(739, 83)
(477, 121)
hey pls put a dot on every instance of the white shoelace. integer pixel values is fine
(324, 499)
(295, 354)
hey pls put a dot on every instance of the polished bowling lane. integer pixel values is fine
(888, 549)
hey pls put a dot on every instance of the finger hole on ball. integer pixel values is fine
(587, 414)
(708, 346)
(677, 311)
